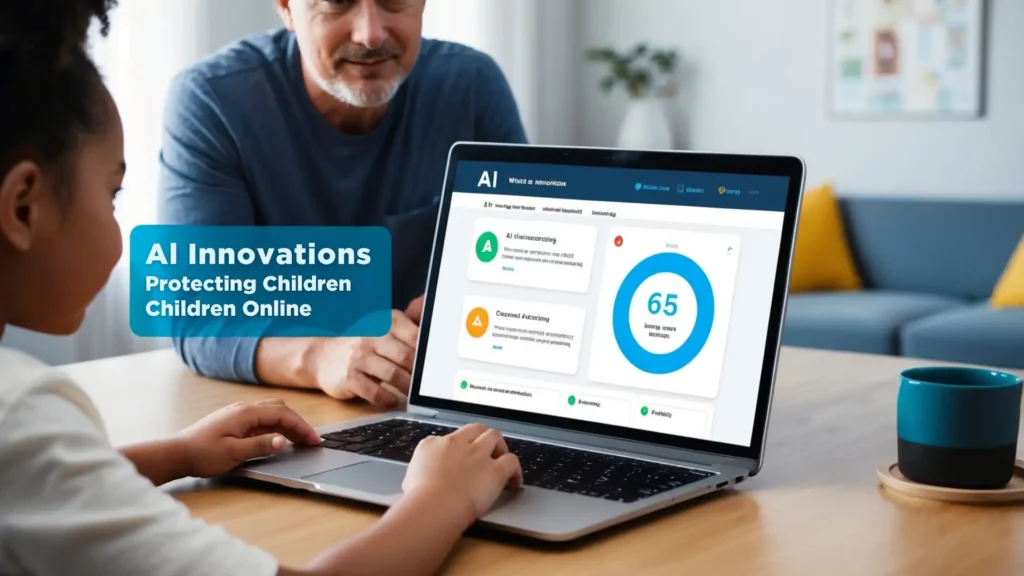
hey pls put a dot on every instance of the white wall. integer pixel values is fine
(534, 42)
(757, 82)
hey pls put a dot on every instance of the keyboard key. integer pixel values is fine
(361, 438)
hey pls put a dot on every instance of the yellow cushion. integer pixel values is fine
(1010, 288)
(822, 259)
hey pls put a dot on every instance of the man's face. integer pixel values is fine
(359, 51)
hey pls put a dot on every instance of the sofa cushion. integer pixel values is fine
(867, 321)
(821, 257)
(951, 247)
(1009, 292)
(976, 334)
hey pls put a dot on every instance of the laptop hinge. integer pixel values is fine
(421, 411)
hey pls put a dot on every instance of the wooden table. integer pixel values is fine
(816, 508)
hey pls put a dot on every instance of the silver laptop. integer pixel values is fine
(616, 314)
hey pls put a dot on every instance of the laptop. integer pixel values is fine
(616, 314)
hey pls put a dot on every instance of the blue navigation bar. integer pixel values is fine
(637, 186)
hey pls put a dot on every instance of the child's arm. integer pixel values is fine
(451, 482)
(97, 515)
(412, 538)
(221, 441)
(161, 461)
(72, 505)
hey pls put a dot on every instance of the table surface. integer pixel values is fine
(816, 507)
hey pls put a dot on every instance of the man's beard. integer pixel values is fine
(361, 98)
(365, 97)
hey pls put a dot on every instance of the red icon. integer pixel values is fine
(618, 240)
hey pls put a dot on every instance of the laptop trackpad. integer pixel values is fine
(372, 476)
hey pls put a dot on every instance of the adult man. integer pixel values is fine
(344, 117)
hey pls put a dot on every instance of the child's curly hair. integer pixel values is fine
(49, 88)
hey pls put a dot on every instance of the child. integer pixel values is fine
(69, 502)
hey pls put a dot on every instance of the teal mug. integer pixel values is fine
(957, 427)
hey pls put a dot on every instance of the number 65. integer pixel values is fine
(654, 304)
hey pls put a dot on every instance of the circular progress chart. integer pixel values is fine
(663, 310)
(665, 304)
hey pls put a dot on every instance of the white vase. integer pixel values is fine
(645, 126)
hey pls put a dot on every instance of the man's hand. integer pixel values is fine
(357, 367)
(228, 437)
(347, 368)
(415, 310)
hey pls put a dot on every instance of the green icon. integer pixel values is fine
(486, 247)
(464, 385)
(572, 400)
(643, 411)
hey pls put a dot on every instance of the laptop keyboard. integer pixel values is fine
(544, 465)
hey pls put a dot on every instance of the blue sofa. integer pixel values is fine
(929, 267)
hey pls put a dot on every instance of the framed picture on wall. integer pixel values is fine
(907, 58)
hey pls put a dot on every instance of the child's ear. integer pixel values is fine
(21, 195)
(284, 10)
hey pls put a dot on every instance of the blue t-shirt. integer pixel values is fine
(244, 145)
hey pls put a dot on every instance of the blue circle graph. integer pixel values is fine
(669, 362)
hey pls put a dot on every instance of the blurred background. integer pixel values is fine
(735, 76)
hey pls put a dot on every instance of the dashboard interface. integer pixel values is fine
(630, 297)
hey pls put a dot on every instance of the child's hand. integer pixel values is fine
(467, 469)
(230, 436)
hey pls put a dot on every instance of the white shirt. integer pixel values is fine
(71, 504)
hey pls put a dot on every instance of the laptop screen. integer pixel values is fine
(635, 298)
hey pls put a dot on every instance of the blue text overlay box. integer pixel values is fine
(260, 281)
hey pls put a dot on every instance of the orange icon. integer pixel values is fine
(476, 322)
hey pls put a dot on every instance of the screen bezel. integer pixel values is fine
(787, 166)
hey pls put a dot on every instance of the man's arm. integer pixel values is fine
(202, 182)
(202, 178)
(497, 115)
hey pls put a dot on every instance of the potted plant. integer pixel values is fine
(648, 76)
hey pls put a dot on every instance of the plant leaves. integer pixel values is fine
(604, 54)
(664, 60)
(637, 68)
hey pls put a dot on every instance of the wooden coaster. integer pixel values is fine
(892, 479)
